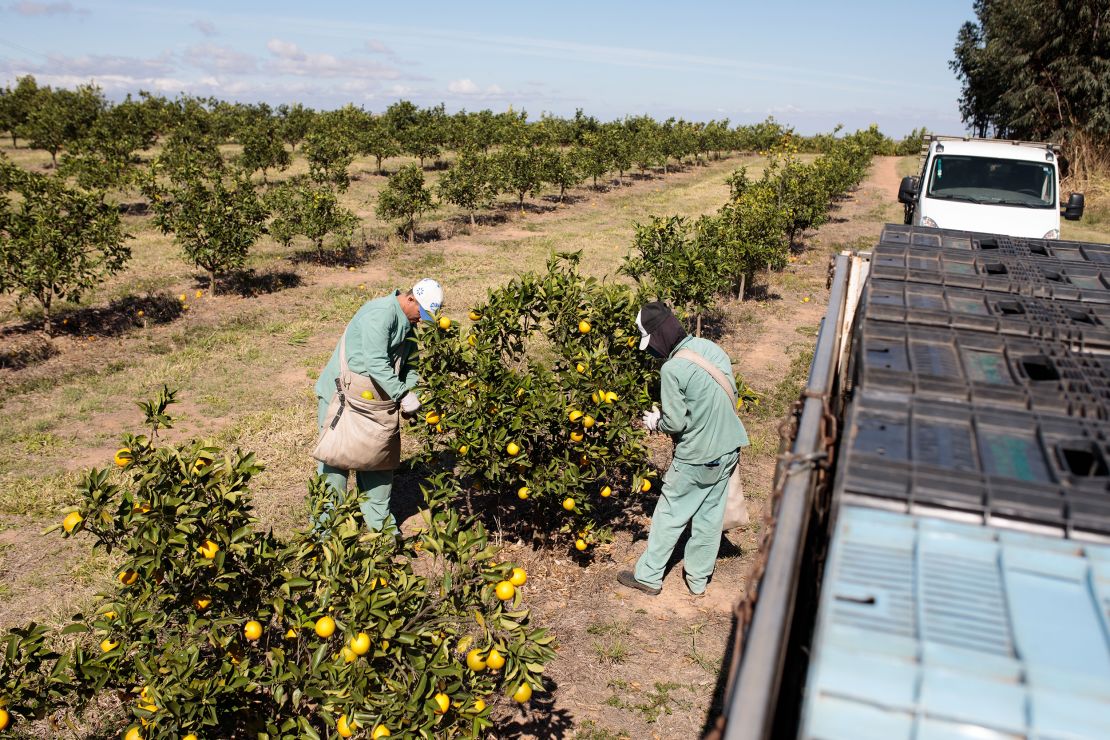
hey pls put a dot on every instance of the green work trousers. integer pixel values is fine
(694, 495)
(374, 485)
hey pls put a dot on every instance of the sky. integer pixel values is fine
(811, 64)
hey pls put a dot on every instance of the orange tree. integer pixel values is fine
(220, 629)
(537, 403)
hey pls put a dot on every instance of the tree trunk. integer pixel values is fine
(740, 287)
(54, 158)
(522, 204)
(697, 331)
(212, 280)
(412, 232)
(13, 140)
(379, 165)
(47, 325)
(472, 218)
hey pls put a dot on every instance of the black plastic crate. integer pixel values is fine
(1078, 324)
(1047, 278)
(896, 360)
(1058, 249)
(990, 463)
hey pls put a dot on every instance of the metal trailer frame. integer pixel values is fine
(760, 689)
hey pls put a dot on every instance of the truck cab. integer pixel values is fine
(991, 185)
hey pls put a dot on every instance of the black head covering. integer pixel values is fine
(660, 328)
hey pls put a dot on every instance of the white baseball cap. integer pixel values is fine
(429, 296)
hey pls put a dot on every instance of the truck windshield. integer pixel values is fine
(1007, 182)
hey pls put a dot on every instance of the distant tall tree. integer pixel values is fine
(303, 207)
(1038, 69)
(294, 122)
(56, 242)
(470, 183)
(62, 117)
(404, 199)
(16, 104)
(263, 148)
(376, 139)
(214, 214)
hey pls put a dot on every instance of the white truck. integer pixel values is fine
(989, 185)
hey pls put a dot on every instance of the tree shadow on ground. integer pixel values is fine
(354, 255)
(462, 221)
(539, 717)
(513, 209)
(250, 283)
(712, 325)
(138, 208)
(27, 350)
(25, 345)
(569, 199)
(761, 293)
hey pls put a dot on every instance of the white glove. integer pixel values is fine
(410, 404)
(651, 418)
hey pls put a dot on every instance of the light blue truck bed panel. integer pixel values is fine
(933, 629)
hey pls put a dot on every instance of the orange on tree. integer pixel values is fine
(522, 493)
(128, 577)
(568, 503)
(202, 602)
(512, 449)
(587, 421)
(190, 736)
(463, 449)
(611, 397)
(580, 367)
(580, 544)
(432, 418)
(348, 655)
(645, 486)
(345, 728)
(379, 732)
(574, 415)
(107, 646)
(252, 630)
(504, 590)
(444, 322)
(519, 577)
(123, 456)
(577, 436)
(479, 706)
(475, 661)
(133, 734)
(291, 634)
(442, 702)
(472, 340)
(208, 550)
(495, 660)
(523, 693)
(474, 315)
(584, 326)
(71, 521)
(5, 718)
(325, 627)
(360, 644)
(606, 492)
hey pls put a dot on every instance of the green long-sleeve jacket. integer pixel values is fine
(377, 337)
(696, 411)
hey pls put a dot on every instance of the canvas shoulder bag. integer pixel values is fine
(362, 426)
(736, 509)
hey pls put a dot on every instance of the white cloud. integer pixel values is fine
(29, 8)
(208, 28)
(377, 47)
(289, 59)
(98, 65)
(468, 88)
(219, 58)
(285, 50)
(462, 87)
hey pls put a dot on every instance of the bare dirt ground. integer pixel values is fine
(629, 665)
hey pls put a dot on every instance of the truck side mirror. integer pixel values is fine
(1073, 211)
(907, 191)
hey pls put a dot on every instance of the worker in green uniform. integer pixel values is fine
(699, 415)
(378, 346)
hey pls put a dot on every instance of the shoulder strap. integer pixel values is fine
(709, 367)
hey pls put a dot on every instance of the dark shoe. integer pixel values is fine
(627, 578)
